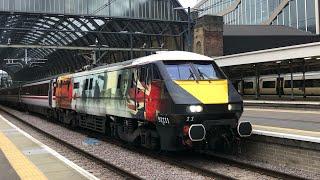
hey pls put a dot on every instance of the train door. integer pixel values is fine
(140, 90)
(239, 86)
(279, 85)
(50, 92)
(87, 87)
(75, 94)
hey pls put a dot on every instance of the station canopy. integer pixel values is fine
(39, 38)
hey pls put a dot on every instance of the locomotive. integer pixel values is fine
(171, 100)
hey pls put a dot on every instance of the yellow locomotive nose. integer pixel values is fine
(207, 91)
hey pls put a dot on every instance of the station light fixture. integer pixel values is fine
(307, 58)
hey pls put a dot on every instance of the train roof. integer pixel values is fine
(159, 56)
(310, 73)
(171, 56)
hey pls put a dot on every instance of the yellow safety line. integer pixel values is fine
(286, 130)
(20, 163)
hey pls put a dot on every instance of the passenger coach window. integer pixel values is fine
(312, 83)
(248, 85)
(86, 84)
(91, 84)
(296, 83)
(75, 85)
(119, 81)
(269, 84)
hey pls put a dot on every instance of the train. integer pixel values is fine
(280, 85)
(171, 100)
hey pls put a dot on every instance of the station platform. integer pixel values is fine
(301, 125)
(283, 104)
(23, 157)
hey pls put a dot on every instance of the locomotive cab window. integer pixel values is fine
(193, 70)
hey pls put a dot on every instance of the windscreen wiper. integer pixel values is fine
(203, 74)
(191, 75)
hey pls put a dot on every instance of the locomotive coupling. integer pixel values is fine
(244, 129)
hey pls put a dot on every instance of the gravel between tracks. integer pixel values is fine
(136, 163)
(89, 165)
(141, 165)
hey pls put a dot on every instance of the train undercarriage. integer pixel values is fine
(221, 138)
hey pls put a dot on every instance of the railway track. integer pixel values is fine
(202, 156)
(252, 167)
(120, 171)
(169, 158)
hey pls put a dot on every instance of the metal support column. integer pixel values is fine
(278, 80)
(257, 81)
(94, 57)
(317, 15)
(304, 78)
(291, 74)
(131, 46)
(189, 30)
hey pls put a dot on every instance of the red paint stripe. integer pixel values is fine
(35, 97)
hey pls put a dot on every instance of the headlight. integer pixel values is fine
(234, 107)
(195, 108)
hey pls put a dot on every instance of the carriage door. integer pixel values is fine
(240, 87)
(140, 91)
(50, 92)
(279, 86)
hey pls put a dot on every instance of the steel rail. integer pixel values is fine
(118, 170)
(193, 168)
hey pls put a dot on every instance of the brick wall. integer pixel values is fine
(208, 36)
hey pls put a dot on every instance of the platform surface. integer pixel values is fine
(23, 157)
(293, 124)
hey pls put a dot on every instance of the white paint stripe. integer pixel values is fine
(53, 152)
(286, 136)
(282, 102)
(281, 110)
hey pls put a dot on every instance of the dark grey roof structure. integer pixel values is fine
(66, 33)
(246, 38)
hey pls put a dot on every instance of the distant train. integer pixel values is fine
(172, 100)
(274, 85)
